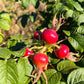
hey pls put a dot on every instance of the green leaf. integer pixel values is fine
(26, 3)
(17, 37)
(11, 43)
(53, 60)
(5, 16)
(5, 53)
(81, 63)
(34, 2)
(66, 66)
(81, 0)
(4, 25)
(81, 82)
(76, 76)
(39, 82)
(69, 13)
(80, 29)
(81, 19)
(69, 5)
(1, 33)
(50, 72)
(24, 70)
(75, 16)
(59, 6)
(8, 72)
(27, 43)
(62, 82)
(77, 41)
(53, 76)
(1, 38)
(55, 79)
(66, 32)
(31, 18)
(77, 6)
(19, 53)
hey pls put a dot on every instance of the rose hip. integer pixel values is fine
(28, 53)
(40, 60)
(37, 35)
(62, 52)
(50, 36)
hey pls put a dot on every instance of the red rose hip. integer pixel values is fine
(62, 52)
(50, 36)
(28, 53)
(40, 60)
(37, 35)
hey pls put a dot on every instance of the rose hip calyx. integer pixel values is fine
(62, 52)
(50, 36)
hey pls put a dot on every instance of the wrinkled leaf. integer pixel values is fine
(11, 43)
(53, 76)
(69, 13)
(81, 19)
(77, 5)
(69, 5)
(65, 66)
(80, 29)
(76, 15)
(8, 72)
(55, 79)
(76, 76)
(77, 41)
(60, 6)
(5, 53)
(4, 25)
(24, 70)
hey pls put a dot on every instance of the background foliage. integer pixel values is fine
(19, 19)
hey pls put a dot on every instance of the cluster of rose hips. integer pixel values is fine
(50, 37)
